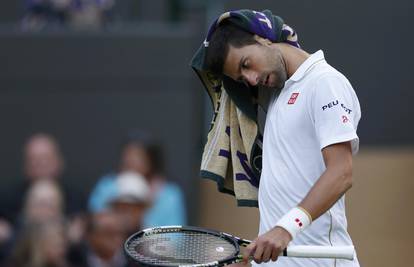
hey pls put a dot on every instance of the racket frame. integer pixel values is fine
(235, 241)
(338, 252)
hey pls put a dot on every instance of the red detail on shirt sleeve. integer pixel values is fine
(345, 119)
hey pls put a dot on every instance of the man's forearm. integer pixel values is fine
(333, 183)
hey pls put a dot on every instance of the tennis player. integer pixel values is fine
(309, 139)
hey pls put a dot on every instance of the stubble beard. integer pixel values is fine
(278, 71)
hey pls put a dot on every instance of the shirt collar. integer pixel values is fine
(306, 65)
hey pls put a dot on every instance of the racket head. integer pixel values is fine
(170, 246)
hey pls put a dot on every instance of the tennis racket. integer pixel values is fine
(199, 247)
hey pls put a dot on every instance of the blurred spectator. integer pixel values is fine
(44, 203)
(55, 14)
(104, 238)
(41, 245)
(131, 201)
(42, 160)
(90, 14)
(41, 14)
(39, 197)
(6, 233)
(140, 154)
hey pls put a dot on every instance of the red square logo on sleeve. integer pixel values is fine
(293, 98)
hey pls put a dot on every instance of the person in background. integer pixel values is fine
(90, 14)
(44, 202)
(42, 160)
(41, 245)
(45, 14)
(131, 201)
(43, 166)
(61, 14)
(107, 229)
(141, 154)
(103, 242)
(6, 233)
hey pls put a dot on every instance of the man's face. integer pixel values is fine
(107, 235)
(257, 65)
(131, 214)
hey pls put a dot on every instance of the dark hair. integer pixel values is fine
(225, 35)
(151, 146)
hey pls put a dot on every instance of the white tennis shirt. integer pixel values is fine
(316, 108)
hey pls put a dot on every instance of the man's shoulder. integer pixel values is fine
(324, 75)
(325, 71)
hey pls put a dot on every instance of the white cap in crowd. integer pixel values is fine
(131, 188)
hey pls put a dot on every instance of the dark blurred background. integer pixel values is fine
(88, 72)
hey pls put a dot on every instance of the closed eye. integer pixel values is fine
(245, 64)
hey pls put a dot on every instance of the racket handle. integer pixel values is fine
(336, 252)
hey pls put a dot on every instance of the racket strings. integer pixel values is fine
(180, 248)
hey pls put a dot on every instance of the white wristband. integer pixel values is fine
(295, 221)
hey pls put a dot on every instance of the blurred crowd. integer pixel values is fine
(87, 14)
(97, 14)
(46, 229)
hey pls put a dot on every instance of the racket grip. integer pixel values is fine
(336, 252)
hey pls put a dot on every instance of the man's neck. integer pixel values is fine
(292, 56)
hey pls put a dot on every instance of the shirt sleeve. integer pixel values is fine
(336, 112)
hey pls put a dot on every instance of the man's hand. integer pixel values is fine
(268, 246)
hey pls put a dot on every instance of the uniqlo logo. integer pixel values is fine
(293, 98)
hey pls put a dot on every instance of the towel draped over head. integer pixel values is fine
(233, 151)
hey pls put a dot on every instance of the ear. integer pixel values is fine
(262, 41)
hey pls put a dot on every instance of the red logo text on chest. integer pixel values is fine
(293, 98)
